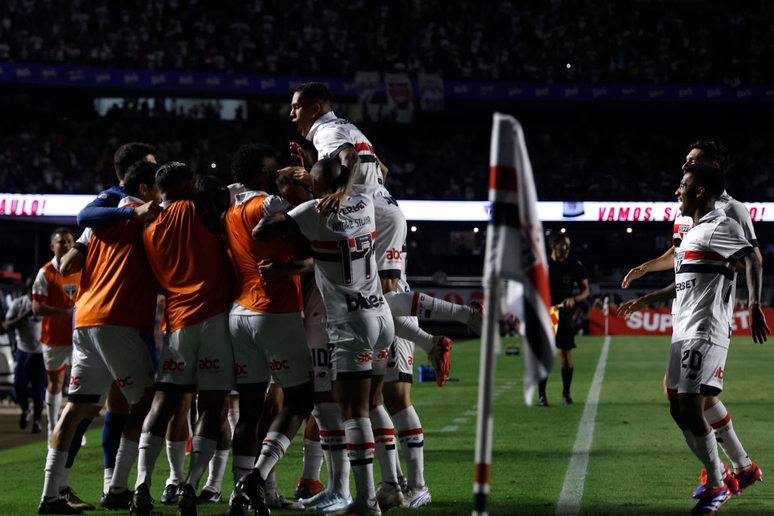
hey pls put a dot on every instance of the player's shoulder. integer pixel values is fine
(113, 191)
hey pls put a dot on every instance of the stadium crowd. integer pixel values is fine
(74, 156)
(594, 41)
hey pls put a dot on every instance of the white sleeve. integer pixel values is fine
(331, 139)
(14, 310)
(40, 286)
(307, 218)
(85, 237)
(737, 211)
(274, 204)
(234, 189)
(728, 240)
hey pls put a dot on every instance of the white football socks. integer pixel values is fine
(272, 450)
(412, 442)
(150, 448)
(408, 328)
(706, 449)
(720, 421)
(217, 469)
(313, 457)
(360, 448)
(53, 404)
(176, 458)
(128, 451)
(417, 304)
(333, 440)
(202, 450)
(55, 465)
(384, 438)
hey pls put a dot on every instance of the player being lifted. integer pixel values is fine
(334, 137)
(360, 326)
(704, 273)
(715, 154)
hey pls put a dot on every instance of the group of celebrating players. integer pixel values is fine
(284, 301)
(712, 238)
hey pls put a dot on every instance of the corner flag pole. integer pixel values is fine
(490, 343)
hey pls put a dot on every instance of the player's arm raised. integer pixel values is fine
(72, 262)
(276, 226)
(626, 309)
(754, 281)
(662, 263)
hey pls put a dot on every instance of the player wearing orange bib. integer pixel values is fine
(53, 298)
(267, 330)
(116, 302)
(187, 256)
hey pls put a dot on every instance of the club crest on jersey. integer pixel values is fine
(679, 257)
(70, 289)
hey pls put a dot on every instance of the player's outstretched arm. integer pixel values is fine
(626, 309)
(662, 263)
(754, 281)
(276, 226)
(104, 211)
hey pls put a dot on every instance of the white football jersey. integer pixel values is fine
(344, 257)
(330, 135)
(704, 279)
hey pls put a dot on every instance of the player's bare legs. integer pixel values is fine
(54, 384)
(245, 440)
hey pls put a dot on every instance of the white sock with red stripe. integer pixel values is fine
(412, 442)
(217, 469)
(150, 448)
(360, 448)
(273, 449)
(241, 466)
(176, 458)
(408, 328)
(720, 421)
(334, 441)
(384, 437)
(202, 450)
(706, 449)
(313, 457)
(417, 304)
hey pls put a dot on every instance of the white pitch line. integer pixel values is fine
(470, 413)
(449, 428)
(569, 503)
(460, 420)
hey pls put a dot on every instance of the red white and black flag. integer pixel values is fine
(515, 251)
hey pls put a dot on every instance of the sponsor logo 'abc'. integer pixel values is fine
(240, 369)
(365, 357)
(279, 365)
(124, 382)
(75, 381)
(173, 365)
(205, 364)
(383, 354)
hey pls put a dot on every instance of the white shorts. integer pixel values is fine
(198, 357)
(103, 355)
(360, 347)
(391, 232)
(400, 365)
(695, 366)
(57, 358)
(269, 346)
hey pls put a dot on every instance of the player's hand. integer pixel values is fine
(147, 212)
(629, 307)
(569, 302)
(635, 273)
(331, 203)
(271, 271)
(298, 173)
(298, 152)
(758, 324)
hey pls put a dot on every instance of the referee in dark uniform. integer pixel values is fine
(564, 275)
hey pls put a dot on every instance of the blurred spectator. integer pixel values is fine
(583, 41)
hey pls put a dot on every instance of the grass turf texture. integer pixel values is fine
(639, 463)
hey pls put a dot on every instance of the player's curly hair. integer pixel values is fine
(248, 161)
(315, 92)
(129, 154)
(714, 152)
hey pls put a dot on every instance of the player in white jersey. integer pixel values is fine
(704, 273)
(359, 323)
(334, 137)
(715, 154)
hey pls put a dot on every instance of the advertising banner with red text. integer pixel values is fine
(659, 322)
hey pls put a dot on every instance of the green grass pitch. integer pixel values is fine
(639, 463)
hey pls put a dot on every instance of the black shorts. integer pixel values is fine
(565, 333)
